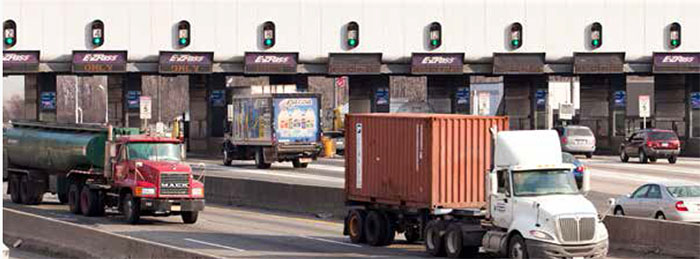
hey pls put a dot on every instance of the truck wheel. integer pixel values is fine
(389, 232)
(131, 209)
(90, 202)
(190, 217)
(672, 159)
(227, 158)
(62, 197)
(28, 193)
(14, 189)
(356, 224)
(412, 235)
(298, 164)
(375, 228)
(454, 246)
(517, 248)
(589, 155)
(74, 198)
(260, 160)
(434, 244)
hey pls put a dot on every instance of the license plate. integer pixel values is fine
(175, 208)
(305, 160)
(664, 144)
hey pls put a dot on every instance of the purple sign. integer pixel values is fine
(270, 63)
(107, 61)
(437, 63)
(185, 62)
(672, 62)
(20, 61)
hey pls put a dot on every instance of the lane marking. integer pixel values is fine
(330, 241)
(648, 167)
(214, 245)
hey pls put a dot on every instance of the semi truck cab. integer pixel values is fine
(535, 208)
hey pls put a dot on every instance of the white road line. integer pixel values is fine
(214, 245)
(330, 241)
(660, 168)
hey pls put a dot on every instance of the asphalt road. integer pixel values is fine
(248, 233)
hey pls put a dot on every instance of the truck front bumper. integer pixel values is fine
(171, 205)
(538, 249)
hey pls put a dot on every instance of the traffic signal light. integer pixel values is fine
(516, 35)
(596, 35)
(674, 35)
(353, 35)
(98, 33)
(435, 35)
(183, 34)
(268, 34)
(10, 32)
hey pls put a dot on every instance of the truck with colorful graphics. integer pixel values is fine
(274, 127)
(97, 167)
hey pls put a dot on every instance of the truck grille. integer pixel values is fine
(174, 184)
(577, 230)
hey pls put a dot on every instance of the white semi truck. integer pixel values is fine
(522, 203)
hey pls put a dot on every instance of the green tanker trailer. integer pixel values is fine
(141, 174)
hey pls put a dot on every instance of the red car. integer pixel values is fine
(651, 144)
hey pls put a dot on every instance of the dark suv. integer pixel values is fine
(650, 144)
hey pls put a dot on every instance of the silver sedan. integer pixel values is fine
(678, 201)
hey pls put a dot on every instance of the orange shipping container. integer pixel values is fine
(418, 160)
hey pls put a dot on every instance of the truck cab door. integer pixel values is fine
(501, 201)
(121, 165)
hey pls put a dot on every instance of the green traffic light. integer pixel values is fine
(9, 41)
(268, 42)
(352, 42)
(183, 41)
(515, 42)
(96, 41)
(596, 43)
(434, 42)
(674, 43)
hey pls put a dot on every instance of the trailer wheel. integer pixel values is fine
(74, 197)
(29, 194)
(375, 228)
(298, 164)
(189, 217)
(131, 209)
(434, 244)
(227, 158)
(90, 202)
(14, 189)
(356, 224)
(389, 232)
(517, 248)
(412, 235)
(62, 197)
(260, 160)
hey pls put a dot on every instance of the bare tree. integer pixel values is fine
(13, 109)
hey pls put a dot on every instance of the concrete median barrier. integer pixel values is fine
(296, 198)
(65, 239)
(663, 237)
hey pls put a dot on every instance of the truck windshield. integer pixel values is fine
(544, 182)
(154, 151)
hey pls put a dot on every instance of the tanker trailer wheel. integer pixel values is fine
(131, 209)
(14, 189)
(28, 193)
(356, 224)
(434, 242)
(90, 202)
(74, 197)
(189, 217)
(375, 228)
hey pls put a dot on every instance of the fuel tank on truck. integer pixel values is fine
(421, 161)
(55, 148)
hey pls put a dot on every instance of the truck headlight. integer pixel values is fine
(141, 191)
(541, 235)
(198, 192)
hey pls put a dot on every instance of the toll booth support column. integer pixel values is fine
(31, 97)
(217, 111)
(115, 100)
(692, 148)
(199, 126)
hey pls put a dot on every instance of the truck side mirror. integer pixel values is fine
(493, 182)
(586, 184)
